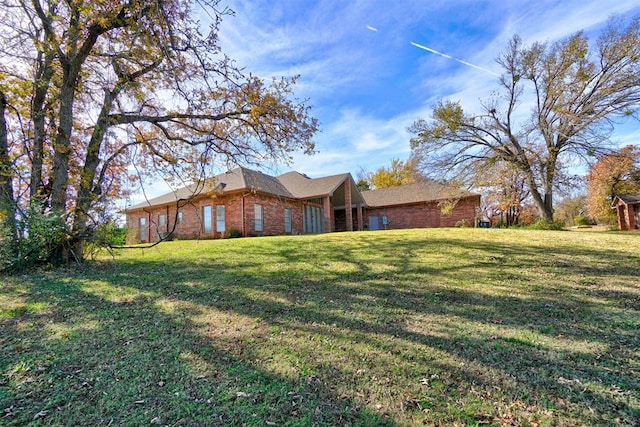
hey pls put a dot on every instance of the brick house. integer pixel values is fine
(250, 203)
(627, 207)
(422, 205)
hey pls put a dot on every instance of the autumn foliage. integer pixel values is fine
(613, 174)
(98, 97)
(398, 173)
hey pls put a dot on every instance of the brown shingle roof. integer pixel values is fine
(233, 180)
(183, 193)
(254, 181)
(426, 191)
(303, 187)
(630, 199)
(297, 185)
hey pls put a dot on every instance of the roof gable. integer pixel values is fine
(255, 181)
(303, 187)
(627, 199)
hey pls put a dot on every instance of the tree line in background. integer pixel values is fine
(96, 97)
(505, 196)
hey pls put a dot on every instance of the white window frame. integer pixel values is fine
(258, 210)
(206, 219)
(220, 219)
(142, 232)
(287, 220)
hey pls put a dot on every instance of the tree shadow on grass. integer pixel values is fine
(83, 359)
(427, 338)
(598, 377)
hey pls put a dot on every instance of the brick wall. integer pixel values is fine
(627, 216)
(420, 215)
(425, 215)
(273, 215)
(191, 226)
(632, 220)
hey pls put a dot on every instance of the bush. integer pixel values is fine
(105, 235)
(545, 224)
(581, 220)
(39, 235)
(463, 223)
(233, 233)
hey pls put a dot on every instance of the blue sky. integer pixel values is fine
(365, 79)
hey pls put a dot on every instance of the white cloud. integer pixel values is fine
(358, 140)
(342, 49)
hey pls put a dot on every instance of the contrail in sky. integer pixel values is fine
(369, 27)
(455, 59)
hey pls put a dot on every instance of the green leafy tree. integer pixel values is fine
(103, 92)
(399, 173)
(363, 185)
(575, 94)
(573, 211)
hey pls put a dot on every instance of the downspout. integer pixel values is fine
(244, 234)
(149, 226)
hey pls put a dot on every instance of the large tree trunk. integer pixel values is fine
(38, 113)
(62, 148)
(544, 203)
(542, 200)
(543, 195)
(89, 189)
(78, 51)
(548, 180)
(42, 81)
(547, 206)
(7, 202)
(60, 169)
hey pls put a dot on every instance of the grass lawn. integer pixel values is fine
(437, 327)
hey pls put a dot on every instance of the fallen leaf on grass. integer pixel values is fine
(40, 414)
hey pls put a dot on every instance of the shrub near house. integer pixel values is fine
(251, 203)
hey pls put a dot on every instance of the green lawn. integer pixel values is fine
(436, 327)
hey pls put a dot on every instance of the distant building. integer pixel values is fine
(245, 202)
(627, 207)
